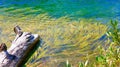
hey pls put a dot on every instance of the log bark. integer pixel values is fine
(23, 46)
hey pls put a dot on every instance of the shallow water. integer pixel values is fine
(89, 9)
(97, 9)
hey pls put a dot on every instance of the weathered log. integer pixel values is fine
(23, 46)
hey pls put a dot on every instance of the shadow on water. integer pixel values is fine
(53, 61)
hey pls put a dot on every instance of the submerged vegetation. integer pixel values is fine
(72, 41)
(67, 43)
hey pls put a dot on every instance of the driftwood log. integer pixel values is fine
(23, 46)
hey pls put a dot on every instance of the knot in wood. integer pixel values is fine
(18, 30)
(3, 47)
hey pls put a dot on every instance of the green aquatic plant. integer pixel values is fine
(83, 64)
(114, 32)
(110, 57)
(105, 57)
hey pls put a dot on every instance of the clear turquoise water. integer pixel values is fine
(95, 9)
(98, 9)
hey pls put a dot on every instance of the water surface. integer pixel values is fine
(96, 9)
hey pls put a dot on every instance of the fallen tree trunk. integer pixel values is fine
(23, 46)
